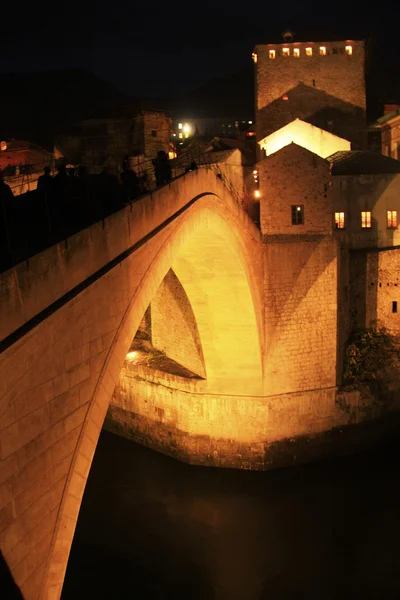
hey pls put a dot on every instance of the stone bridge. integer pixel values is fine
(256, 321)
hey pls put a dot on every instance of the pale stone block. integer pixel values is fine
(8, 468)
(87, 388)
(75, 419)
(79, 373)
(64, 404)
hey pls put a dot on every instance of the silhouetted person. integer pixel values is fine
(191, 167)
(60, 200)
(61, 180)
(6, 206)
(162, 168)
(110, 193)
(45, 181)
(130, 182)
(84, 192)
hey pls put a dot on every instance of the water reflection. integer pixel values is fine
(153, 528)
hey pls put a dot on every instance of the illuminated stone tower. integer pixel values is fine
(322, 83)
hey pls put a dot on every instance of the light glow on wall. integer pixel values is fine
(321, 142)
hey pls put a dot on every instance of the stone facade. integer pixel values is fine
(375, 286)
(295, 176)
(326, 89)
(173, 329)
(377, 193)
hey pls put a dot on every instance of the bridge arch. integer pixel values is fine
(211, 248)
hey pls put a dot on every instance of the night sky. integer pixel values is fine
(158, 48)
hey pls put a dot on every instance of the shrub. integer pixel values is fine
(368, 353)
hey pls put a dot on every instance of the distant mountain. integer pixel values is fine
(231, 97)
(35, 106)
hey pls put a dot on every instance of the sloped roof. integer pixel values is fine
(360, 162)
(386, 118)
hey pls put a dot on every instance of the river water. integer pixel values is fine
(151, 528)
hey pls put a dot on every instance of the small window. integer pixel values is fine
(366, 219)
(272, 53)
(313, 82)
(392, 219)
(308, 51)
(322, 50)
(349, 50)
(339, 220)
(255, 57)
(180, 136)
(153, 133)
(297, 214)
(180, 126)
(285, 51)
(335, 50)
(394, 306)
(296, 52)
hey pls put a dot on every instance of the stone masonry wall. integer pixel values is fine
(338, 74)
(173, 325)
(300, 295)
(374, 287)
(295, 176)
(174, 416)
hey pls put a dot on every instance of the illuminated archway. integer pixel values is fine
(212, 251)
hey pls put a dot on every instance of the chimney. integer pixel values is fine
(288, 36)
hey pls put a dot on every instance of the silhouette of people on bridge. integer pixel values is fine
(6, 207)
(162, 168)
(45, 182)
(130, 181)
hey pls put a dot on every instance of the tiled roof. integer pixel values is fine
(359, 162)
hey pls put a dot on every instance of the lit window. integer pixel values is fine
(308, 51)
(349, 50)
(285, 97)
(272, 53)
(180, 126)
(285, 51)
(322, 50)
(255, 57)
(366, 219)
(180, 136)
(339, 220)
(250, 122)
(297, 215)
(392, 219)
(296, 52)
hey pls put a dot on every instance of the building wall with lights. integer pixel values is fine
(329, 80)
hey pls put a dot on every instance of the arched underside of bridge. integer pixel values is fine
(72, 362)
